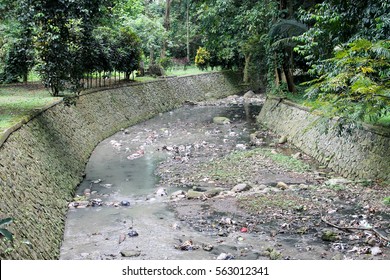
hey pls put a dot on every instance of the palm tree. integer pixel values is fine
(282, 43)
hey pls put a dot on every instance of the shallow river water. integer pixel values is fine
(121, 169)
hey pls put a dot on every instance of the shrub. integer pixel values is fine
(202, 58)
(166, 63)
(156, 70)
(355, 81)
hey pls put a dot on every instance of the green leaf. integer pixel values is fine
(5, 221)
(6, 234)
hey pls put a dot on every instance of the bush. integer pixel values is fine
(355, 81)
(156, 70)
(202, 58)
(166, 63)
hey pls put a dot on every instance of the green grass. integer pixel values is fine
(259, 203)
(287, 161)
(19, 102)
(243, 165)
(191, 70)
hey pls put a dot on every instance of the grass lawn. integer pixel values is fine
(19, 102)
(191, 70)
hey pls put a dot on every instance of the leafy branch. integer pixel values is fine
(4, 233)
(355, 80)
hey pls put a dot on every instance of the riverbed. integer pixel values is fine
(184, 186)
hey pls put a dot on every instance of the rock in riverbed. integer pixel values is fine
(221, 120)
(282, 185)
(249, 94)
(241, 188)
(225, 256)
(191, 194)
(282, 140)
(212, 192)
(130, 253)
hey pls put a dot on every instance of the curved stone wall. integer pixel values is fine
(43, 161)
(362, 154)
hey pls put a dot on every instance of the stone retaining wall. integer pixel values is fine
(363, 154)
(43, 161)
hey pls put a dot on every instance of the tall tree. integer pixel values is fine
(235, 32)
(167, 26)
(17, 48)
(64, 30)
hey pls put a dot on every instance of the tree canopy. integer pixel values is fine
(278, 42)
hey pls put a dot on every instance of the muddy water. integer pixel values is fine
(121, 170)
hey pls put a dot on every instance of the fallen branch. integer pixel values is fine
(377, 233)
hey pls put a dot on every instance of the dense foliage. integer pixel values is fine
(355, 80)
(347, 48)
(341, 46)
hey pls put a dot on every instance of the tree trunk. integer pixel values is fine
(290, 80)
(188, 31)
(167, 25)
(277, 77)
(25, 78)
(289, 72)
(246, 68)
(283, 76)
(151, 56)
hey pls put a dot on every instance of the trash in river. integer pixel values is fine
(208, 247)
(132, 233)
(187, 246)
(122, 238)
(224, 256)
(244, 230)
(96, 202)
(137, 154)
(125, 203)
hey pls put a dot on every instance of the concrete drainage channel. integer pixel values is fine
(184, 185)
(43, 160)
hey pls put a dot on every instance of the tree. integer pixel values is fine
(127, 52)
(167, 26)
(64, 30)
(282, 42)
(18, 51)
(234, 32)
(335, 22)
(53, 43)
(202, 58)
(151, 33)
